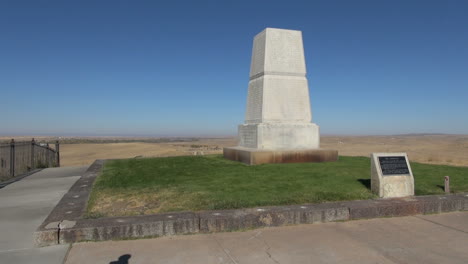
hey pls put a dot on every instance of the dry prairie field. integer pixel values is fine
(433, 149)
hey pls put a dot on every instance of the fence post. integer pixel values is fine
(12, 158)
(57, 150)
(47, 156)
(33, 165)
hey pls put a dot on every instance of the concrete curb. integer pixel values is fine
(66, 225)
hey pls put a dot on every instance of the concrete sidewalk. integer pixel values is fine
(414, 239)
(23, 207)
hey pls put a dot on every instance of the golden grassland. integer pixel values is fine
(433, 149)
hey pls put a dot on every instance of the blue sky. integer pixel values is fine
(181, 68)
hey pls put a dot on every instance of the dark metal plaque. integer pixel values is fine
(395, 165)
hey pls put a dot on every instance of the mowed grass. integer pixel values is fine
(194, 183)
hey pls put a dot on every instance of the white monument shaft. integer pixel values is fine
(278, 115)
(278, 124)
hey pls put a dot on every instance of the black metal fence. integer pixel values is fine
(17, 158)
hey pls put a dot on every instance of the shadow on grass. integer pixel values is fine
(441, 187)
(365, 182)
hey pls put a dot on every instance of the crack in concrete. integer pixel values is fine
(256, 235)
(368, 244)
(436, 223)
(225, 250)
(267, 250)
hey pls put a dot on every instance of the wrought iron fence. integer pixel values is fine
(17, 158)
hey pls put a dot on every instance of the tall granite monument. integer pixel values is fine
(278, 125)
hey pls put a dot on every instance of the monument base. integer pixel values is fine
(260, 156)
(283, 135)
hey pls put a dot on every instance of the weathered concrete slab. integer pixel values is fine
(23, 207)
(455, 221)
(385, 240)
(18, 178)
(46, 255)
(73, 204)
(59, 172)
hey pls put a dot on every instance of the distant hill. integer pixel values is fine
(423, 134)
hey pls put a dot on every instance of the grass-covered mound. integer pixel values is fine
(152, 185)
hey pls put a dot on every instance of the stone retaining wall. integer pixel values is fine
(66, 225)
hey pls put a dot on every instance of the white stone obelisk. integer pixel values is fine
(278, 112)
(278, 120)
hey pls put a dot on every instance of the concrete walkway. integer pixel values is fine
(24, 205)
(415, 239)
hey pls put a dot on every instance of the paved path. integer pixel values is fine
(24, 205)
(415, 239)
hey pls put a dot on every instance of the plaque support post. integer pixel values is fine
(447, 184)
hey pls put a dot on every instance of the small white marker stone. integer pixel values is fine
(216, 214)
(66, 224)
(52, 225)
(303, 207)
(76, 196)
(260, 210)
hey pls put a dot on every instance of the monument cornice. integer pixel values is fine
(278, 74)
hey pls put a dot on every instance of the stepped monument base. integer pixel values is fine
(260, 156)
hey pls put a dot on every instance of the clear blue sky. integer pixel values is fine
(180, 68)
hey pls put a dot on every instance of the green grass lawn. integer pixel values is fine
(152, 185)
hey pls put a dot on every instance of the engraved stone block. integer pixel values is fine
(391, 175)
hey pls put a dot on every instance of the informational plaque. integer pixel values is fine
(394, 165)
(391, 175)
